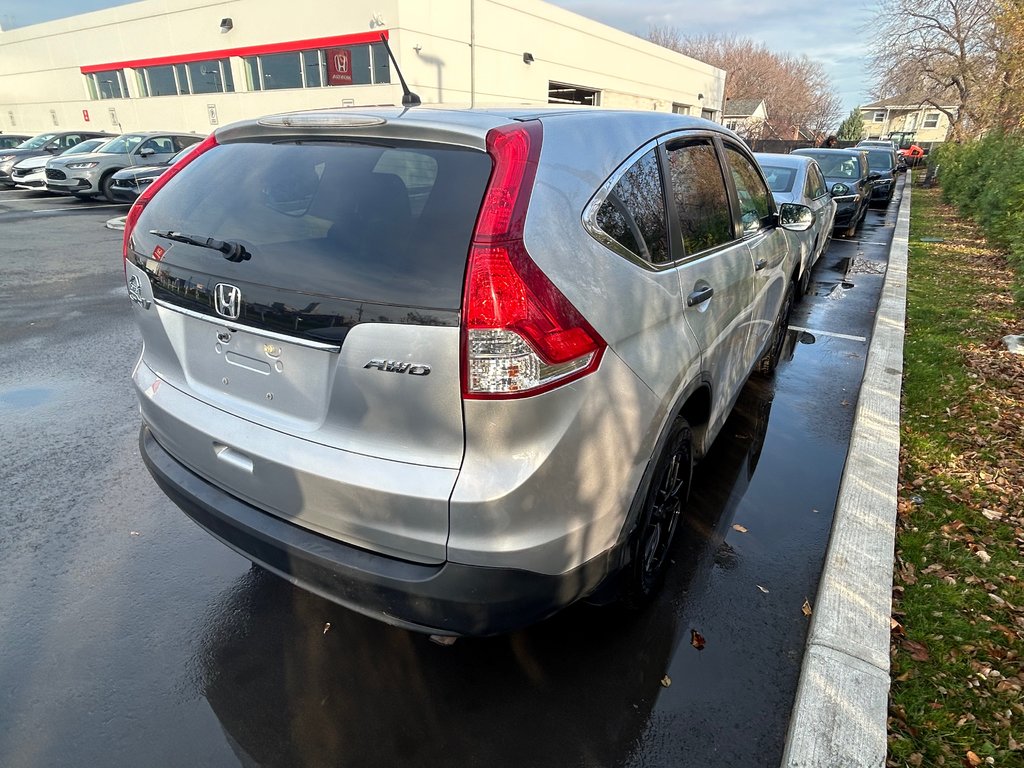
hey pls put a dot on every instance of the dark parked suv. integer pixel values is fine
(452, 369)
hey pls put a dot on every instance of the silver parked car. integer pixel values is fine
(89, 175)
(31, 173)
(452, 369)
(798, 179)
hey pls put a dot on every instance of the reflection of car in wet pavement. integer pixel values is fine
(450, 447)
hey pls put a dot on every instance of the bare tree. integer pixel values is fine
(938, 52)
(797, 91)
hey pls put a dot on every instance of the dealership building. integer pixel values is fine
(193, 64)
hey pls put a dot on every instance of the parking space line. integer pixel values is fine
(89, 208)
(846, 336)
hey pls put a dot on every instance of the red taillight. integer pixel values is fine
(521, 336)
(140, 203)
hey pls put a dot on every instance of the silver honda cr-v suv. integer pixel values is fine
(452, 369)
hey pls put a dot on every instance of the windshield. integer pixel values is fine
(89, 145)
(37, 141)
(122, 145)
(384, 224)
(880, 161)
(779, 179)
(836, 166)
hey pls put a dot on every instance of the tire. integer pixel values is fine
(770, 359)
(651, 540)
(105, 184)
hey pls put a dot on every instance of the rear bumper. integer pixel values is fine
(446, 598)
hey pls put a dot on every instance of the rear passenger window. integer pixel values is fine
(633, 214)
(755, 199)
(698, 188)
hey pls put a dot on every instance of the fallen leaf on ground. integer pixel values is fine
(806, 607)
(973, 759)
(918, 651)
(666, 681)
(984, 556)
(696, 639)
(740, 528)
(762, 589)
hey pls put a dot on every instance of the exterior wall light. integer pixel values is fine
(226, 25)
(528, 58)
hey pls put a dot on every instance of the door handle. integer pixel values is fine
(760, 264)
(699, 296)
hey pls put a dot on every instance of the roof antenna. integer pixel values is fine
(409, 99)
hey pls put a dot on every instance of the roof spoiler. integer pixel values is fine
(409, 99)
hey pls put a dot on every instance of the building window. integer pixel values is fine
(681, 109)
(732, 125)
(316, 68)
(931, 120)
(213, 76)
(560, 93)
(108, 85)
(879, 116)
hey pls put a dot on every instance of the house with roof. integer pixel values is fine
(747, 117)
(929, 124)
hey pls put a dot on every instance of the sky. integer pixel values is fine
(835, 34)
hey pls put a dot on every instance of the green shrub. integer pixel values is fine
(985, 180)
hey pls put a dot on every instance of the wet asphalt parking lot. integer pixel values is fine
(129, 637)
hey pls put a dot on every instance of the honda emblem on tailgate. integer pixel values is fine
(227, 301)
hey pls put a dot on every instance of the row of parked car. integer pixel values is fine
(89, 164)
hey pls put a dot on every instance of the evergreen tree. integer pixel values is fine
(852, 128)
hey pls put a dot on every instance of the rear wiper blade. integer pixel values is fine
(232, 251)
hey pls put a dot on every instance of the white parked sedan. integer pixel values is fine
(797, 179)
(31, 172)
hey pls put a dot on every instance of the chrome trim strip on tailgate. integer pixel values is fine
(242, 326)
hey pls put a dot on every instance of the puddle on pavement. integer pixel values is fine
(29, 397)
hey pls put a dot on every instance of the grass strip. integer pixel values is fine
(958, 599)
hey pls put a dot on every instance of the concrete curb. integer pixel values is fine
(839, 716)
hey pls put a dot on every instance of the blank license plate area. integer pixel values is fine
(267, 379)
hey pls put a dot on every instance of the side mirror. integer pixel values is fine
(795, 217)
(147, 152)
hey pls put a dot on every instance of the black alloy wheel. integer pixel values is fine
(659, 517)
(105, 187)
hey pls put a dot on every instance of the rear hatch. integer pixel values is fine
(319, 377)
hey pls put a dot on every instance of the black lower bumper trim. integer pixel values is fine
(447, 598)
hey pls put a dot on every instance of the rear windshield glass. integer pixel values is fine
(388, 224)
(779, 179)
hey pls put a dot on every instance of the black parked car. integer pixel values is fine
(129, 183)
(850, 180)
(11, 140)
(885, 163)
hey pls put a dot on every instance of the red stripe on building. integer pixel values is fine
(251, 50)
